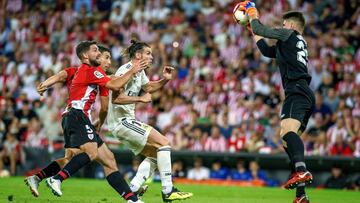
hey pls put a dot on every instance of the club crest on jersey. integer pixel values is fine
(91, 136)
(98, 74)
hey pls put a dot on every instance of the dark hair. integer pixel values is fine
(103, 49)
(135, 47)
(295, 16)
(83, 46)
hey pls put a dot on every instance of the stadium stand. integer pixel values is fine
(226, 96)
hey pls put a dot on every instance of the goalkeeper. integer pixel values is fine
(291, 55)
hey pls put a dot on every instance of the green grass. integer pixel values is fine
(98, 191)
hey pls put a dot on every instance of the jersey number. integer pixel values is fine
(302, 55)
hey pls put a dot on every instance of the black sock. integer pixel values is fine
(50, 170)
(300, 190)
(76, 163)
(292, 166)
(296, 150)
(116, 180)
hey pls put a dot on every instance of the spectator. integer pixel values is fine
(178, 170)
(340, 147)
(314, 137)
(337, 180)
(35, 137)
(337, 130)
(199, 172)
(357, 183)
(82, 3)
(225, 128)
(256, 173)
(177, 138)
(10, 154)
(165, 117)
(218, 171)
(216, 141)
(322, 108)
(331, 99)
(24, 116)
(191, 7)
(197, 140)
(117, 16)
(272, 134)
(256, 141)
(354, 131)
(237, 140)
(241, 173)
(259, 175)
(317, 73)
(2, 127)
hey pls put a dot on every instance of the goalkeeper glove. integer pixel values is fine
(251, 10)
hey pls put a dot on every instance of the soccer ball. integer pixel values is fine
(4, 173)
(239, 15)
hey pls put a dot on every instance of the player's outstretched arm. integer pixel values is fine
(271, 33)
(121, 98)
(118, 82)
(154, 86)
(265, 49)
(262, 30)
(59, 77)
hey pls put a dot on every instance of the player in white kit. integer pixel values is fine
(137, 136)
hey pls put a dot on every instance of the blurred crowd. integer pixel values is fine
(226, 96)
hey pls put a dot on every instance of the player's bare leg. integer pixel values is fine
(294, 147)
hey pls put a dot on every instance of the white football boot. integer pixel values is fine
(54, 185)
(33, 183)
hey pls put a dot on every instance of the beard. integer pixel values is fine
(94, 62)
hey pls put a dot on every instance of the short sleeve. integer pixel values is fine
(121, 71)
(70, 72)
(97, 76)
(103, 91)
(144, 79)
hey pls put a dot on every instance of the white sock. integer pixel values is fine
(164, 166)
(145, 170)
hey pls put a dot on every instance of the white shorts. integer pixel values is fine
(134, 134)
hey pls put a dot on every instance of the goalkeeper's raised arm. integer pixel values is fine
(264, 31)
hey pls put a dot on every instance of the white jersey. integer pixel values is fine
(132, 89)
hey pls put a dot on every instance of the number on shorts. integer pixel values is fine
(88, 129)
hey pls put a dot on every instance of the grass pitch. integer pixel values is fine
(98, 191)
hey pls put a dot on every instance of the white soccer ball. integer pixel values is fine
(4, 173)
(239, 15)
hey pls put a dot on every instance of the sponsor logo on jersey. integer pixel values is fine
(98, 74)
(128, 66)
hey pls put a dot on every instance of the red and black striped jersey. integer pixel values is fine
(86, 82)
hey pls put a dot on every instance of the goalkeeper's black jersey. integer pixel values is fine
(292, 58)
(290, 52)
